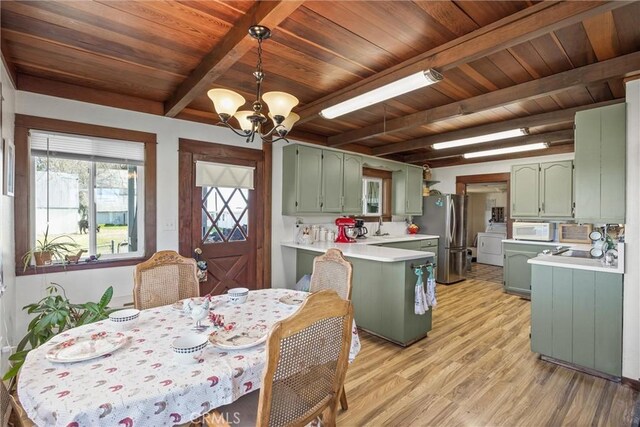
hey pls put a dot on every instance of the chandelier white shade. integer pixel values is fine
(512, 133)
(508, 150)
(226, 103)
(388, 91)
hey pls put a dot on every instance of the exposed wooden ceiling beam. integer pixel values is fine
(532, 22)
(456, 161)
(578, 77)
(556, 136)
(553, 117)
(234, 46)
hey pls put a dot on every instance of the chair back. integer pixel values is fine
(163, 279)
(307, 358)
(9, 402)
(332, 271)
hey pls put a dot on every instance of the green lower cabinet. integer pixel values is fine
(576, 317)
(517, 270)
(383, 296)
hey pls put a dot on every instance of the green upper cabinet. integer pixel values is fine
(542, 190)
(407, 190)
(301, 179)
(524, 190)
(352, 184)
(556, 189)
(332, 179)
(600, 162)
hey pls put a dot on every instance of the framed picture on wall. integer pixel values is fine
(9, 178)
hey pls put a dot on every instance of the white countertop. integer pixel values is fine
(581, 263)
(363, 248)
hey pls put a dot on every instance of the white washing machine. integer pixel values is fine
(490, 244)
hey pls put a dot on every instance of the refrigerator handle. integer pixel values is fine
(455, 220)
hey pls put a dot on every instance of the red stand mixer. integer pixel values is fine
(344, 224)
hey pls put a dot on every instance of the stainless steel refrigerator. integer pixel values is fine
(446, 216)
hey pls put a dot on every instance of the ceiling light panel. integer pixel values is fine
(512, 133)
(499, 151)
(388, 91)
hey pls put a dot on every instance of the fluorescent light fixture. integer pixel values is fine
(482, 138)
(498, 151)
(391, 90)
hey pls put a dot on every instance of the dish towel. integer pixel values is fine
(431, 288)
(421, 306)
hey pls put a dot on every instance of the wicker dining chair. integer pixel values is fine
(163, 279)
(10, 403)
(307, 358)
(333, 271)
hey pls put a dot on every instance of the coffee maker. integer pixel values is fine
(360, 229)
(346, 227)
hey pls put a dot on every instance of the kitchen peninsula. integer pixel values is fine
(384, 281)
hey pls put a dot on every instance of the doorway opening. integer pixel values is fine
(488, 222)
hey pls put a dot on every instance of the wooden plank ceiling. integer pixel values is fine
(506, 63)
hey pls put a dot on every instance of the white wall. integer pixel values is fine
(7, 301)
(631, 309)
(83, 285)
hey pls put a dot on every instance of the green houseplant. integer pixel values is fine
(47, 249)
(54, 314)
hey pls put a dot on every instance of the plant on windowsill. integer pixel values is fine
(47, 250)
(54, 314)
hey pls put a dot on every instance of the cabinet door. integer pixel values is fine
(556, 189)
(517, 272)
(612, 163)
(414, 190)
(309, 179)
(541, 309)
(587, 163)
(332, 171)
(524, 190)
(352, 186)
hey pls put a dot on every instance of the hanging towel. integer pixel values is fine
(421, 306)
(431, 288)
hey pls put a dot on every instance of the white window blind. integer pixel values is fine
(96, 149)
(221, 175)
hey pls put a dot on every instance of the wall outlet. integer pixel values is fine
(169, 225)
(7, 349)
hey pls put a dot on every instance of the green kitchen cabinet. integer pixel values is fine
(352, 185)
(517, 271)
(542, 190)
(576, 317)
(332, 181)
(407, 190)
(301, 179)
(556, 189)
(525, 190)
(427, 245)
(600, 164)
(383, 296)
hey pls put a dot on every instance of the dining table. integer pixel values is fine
(141, 383)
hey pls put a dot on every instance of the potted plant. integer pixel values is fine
(54, 314)
(46, 250)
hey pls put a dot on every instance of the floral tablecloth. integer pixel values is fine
(140, 384)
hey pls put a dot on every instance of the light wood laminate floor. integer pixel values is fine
(476, 369)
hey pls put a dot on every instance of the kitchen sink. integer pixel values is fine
(577, 254)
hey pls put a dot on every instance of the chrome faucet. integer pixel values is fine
(379, 230)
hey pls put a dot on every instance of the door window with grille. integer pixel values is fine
(225, 214)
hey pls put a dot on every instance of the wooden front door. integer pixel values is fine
(227, 224)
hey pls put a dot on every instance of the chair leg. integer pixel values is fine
(343, 399)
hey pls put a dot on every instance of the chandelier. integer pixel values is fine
(226, 103)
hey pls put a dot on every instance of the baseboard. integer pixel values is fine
(634, 384)
(581, 369)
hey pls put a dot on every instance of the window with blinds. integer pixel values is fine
(88, 191)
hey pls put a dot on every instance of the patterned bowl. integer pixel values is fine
(187, 350)
(238, 295)
(123, 320)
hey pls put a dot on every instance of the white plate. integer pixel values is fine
(238, 339)
(86, 347)
(290, 299)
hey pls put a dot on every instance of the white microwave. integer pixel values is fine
(542, 231)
